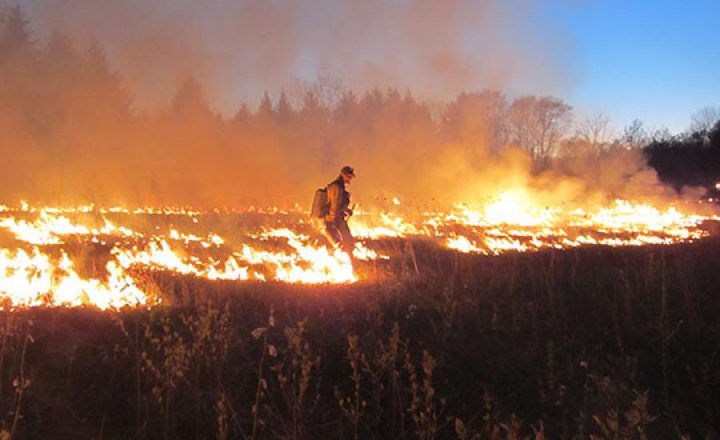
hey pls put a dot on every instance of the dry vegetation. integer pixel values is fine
(588, 343)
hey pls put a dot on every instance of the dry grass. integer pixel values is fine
(594, 343)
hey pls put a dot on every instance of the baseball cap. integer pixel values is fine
(348, 170)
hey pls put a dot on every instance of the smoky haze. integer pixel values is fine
(137, 103)
(240, 48)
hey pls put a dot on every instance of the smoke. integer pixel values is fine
(238, 49)
(141, 104)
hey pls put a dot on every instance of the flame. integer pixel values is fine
(512, 224)
(390, 225)
(462, 244)
(31, 279)
(38, 266)
(515, 207)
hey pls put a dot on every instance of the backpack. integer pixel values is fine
(320, 204)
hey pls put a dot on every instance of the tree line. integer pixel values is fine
(691, 158)
(69, 132)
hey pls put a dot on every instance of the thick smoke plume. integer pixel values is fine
(129, 102)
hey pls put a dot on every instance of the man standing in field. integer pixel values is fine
(338, 212)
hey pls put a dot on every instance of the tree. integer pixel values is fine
(189, 101)
(715, 138)
(59, 85)
(104, 88)
(704, 119)
(283, 110)
(312, 110)
(479, 118)
(15, 35)
(60, 59)
(539, 124)
(345, 107)
(661, 136)
(242, 116)
(635, 136)
(328, 91)
(596, 134)
(265, 109)
(18, 62)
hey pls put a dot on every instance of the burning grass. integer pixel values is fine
(87, 255)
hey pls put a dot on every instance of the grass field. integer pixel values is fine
(584, 343)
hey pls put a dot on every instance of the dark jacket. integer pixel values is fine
(338, 200)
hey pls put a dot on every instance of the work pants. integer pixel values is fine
(339, 235)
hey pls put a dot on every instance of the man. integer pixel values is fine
(336, 227)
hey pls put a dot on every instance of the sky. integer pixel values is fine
(654, 60)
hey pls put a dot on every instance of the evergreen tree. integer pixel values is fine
(104, 90)
(241, 116)
(283, 110)
(18, 69)
(189, 101)
(58, 87)
(15, 35)
(345, 107)
(265, 109)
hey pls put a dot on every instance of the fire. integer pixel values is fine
(32, 276)
(390, 225)
(626, 216)
(31, 279)
(516, 208)
(462, 244)
(40, 263)
(512, 224)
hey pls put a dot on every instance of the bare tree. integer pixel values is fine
(596, 129)
(704, 119)
(327, 89)
(596, 133)
(661, 135)
(635, 136)
(539, 124)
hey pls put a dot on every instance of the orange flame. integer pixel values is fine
(37, 268)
